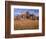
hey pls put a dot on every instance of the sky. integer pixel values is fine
(18, 11)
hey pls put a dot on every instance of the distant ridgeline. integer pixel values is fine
(26, 15)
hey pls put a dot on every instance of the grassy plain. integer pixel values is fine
(26, 24)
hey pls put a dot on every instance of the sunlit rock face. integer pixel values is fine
(26, 15)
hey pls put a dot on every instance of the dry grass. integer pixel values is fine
(25, 24)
